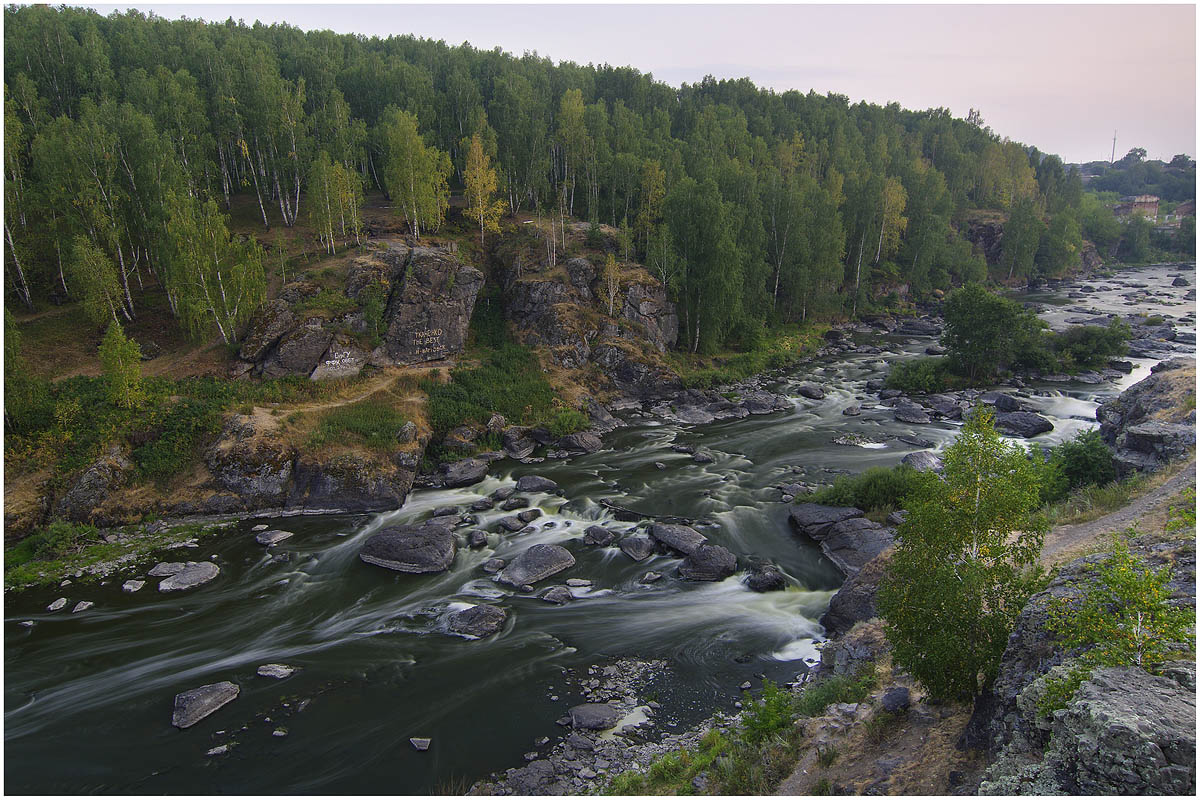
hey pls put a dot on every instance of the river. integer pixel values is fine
(88, 696)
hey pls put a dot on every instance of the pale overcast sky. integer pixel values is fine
(1060, 77)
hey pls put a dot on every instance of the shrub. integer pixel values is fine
(768, 716)
(1085, 460)
(921, 375)
(509, 382)
(185, 426)
(836, 689)
(122, 361)
(1090, 346)
(877, 488)
(963, 565)
(1182, 515)
(567, 421)
(1125, 619)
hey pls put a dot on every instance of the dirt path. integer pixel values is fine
(1147, 512)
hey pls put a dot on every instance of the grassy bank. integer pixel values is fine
(774, 349)
(63, 550)
(757, 753)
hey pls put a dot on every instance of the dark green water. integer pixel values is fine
(88, 696)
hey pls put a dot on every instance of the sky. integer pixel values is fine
(1060, 77)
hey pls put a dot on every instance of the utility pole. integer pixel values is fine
(1113, 157)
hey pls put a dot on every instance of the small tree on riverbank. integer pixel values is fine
(122, 361)
(964, 563)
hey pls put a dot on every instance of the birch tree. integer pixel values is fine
(480, 180)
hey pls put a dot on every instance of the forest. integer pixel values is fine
(129, 136)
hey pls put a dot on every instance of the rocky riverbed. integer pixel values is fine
(380, 659)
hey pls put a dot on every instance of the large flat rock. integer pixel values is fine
(196, 704)
(196, 573)
(536, 564)
(478, 621)
(411, 548)
(677, 538)
(813, 519)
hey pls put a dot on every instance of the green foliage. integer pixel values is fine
(985, 332)
(374, 422)
(877, 488)
(121, 358)
(768, 716)
(1083, 461)
(1090, 346)
(330, 303)
(1181, 516)
(373, 301)
(57, 540)
(855, 688)
(567, 421)
(962, 567)
(509, 381)
(183, 429)
(922, 375)
(1125, 619)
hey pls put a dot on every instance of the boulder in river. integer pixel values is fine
(164, 568)
(766, 578)
(464, 472)
(911, 415)
(57, 605)
(196, 704)
(132, 586)
(513, 503)
(813, 519)
(511, 524)
(811, 391)
(598, 535)
(708, 562)
(478, 621)
(194, 573)
(639, 548)
(536, 564)
(411, 548)
(559, 595)
(594, 716)
(269, 538)
(493, 565)
(677, 538)
(1023, 423)
(582, 442)
(536, 483)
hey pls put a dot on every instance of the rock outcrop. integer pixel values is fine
(105, 475)
(252, 461)
(1153, 421)
(1124, 732)
(846, 537)
(414, 302)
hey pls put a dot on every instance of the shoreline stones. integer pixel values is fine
(196, 704)
(413, 549)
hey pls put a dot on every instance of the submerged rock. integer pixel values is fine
(132, 586)
(559, 595)
(411, 548)
(196, 704)
(195, 573)
(536, 564)
(478, 621)
(57, 605)
(277, 671)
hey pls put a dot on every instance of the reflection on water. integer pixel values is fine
(88, 697)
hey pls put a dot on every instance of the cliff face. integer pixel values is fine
(417, 301)
(563, 310)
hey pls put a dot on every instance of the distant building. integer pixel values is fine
(1187, 209)
(1145, 205)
